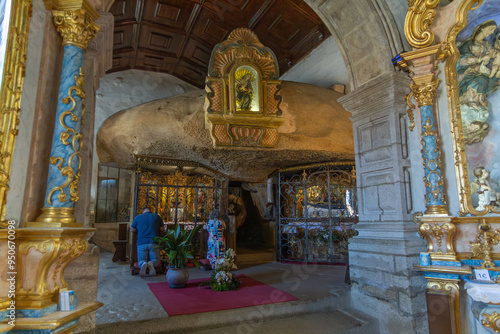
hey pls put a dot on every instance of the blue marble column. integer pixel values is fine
(64, 168)
(431, 156)
(77, 28)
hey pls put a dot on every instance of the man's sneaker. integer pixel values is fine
(144, 267)
(152, 271)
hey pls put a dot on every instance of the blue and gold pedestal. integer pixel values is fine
(42, 256)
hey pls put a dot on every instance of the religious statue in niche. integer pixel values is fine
(484, 190)
(243, 93)
(246, 94)
(478, 78)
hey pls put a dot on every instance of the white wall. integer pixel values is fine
(323, 67)
(126, 89)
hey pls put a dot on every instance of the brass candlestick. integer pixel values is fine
(484, 242)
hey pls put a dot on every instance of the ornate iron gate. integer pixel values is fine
(179, 191)
(317, 211)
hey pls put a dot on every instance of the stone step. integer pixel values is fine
(262, 257)
(342, 321)
(335, 301)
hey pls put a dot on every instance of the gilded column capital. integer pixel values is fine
(77, 27)
(425, 92)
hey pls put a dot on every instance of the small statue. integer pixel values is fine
(216, 240)
(482, 186)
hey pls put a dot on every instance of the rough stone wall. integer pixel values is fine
(382, 255)
(316, 128)
(81, 275)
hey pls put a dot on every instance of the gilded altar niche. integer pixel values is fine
(243, 93)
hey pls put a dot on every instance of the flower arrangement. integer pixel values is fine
(222, 279)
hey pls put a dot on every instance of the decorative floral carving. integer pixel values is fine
(72, 176)
(425, 93)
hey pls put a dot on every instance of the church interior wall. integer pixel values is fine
(323, 67)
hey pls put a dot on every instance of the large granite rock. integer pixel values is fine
(316, 129)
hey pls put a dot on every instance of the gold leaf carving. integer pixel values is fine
(76, 27)
(418, 21)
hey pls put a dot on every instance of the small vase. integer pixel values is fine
(177, 277)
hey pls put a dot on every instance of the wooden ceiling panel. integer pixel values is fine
(238, 12)
(124, 11)
(283, 26)
(161, 40)
(178, 36)
(124, 37)
(190, 74)
(123, 61)
(169, 13)
(198, 53)
(154, 62)
(208, 28)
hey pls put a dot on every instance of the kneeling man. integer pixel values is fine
(147, 225)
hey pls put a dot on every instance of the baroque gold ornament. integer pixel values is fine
(77, 27)
(243, 93)
(72, 176)
(491, 321)
(425, 93)
(418, 20)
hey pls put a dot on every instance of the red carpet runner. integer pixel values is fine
(194, 299)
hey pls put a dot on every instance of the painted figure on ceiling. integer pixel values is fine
(244, 92)
(476, 81)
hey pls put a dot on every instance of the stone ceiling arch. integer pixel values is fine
(366, 33)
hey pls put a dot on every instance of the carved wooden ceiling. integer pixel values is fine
(177, 36)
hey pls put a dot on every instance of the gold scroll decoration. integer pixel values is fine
(72, 176)
(439, 233)
(418, 20)
(243, 93)
(43, 254)
(491, 321)
(77, 27)
(11, 91)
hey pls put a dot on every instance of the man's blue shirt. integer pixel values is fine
(148, 226)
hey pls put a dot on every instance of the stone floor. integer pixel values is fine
(129, 302)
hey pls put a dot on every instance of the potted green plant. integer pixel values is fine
(177, 244)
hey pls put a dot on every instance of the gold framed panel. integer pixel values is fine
(474, 118)
(11, 89)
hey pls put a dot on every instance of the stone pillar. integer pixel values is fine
(435, 225)
(77, 28)
(387, 244)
